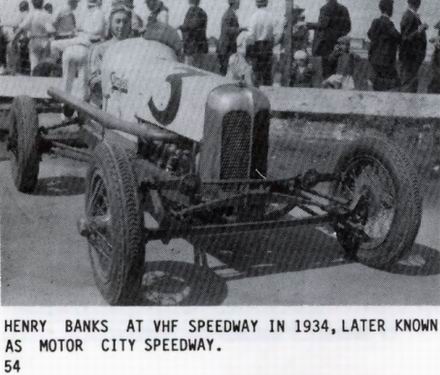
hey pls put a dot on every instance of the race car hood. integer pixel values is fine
(143, 80)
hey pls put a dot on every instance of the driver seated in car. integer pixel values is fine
(120, 22)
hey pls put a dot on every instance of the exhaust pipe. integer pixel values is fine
(149, 130)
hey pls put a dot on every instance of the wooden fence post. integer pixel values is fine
(288, 47)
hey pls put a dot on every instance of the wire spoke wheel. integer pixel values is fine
(382, 189)
(100, 241)
(116, 241)
(369, 183)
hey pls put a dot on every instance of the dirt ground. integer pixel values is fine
(45, 261)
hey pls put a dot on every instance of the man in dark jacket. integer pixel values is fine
(195, 43)
(413, 47)
(385, 40)
(230, 28)
(334, 22)
(3, 46)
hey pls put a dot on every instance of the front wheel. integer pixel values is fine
(116, 244)
(382, 188)
(23, 143)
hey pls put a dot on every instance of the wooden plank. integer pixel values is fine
(288, 42)
(35, 87)
(330, 103)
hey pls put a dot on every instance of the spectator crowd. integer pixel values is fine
(244, 52)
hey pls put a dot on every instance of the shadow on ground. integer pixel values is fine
(423, 261)
(280, 251)
(248, 255)
(171, 283)
(60, 186)
(243, 255)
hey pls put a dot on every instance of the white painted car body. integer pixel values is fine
(143, 80)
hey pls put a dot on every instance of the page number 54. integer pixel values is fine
(12, 366)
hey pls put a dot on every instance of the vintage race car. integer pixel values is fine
(194, 158)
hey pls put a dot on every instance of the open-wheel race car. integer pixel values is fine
(195, 159)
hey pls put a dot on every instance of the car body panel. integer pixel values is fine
(143, 80)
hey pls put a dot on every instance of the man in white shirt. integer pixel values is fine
(263, 35)
(76, 49)
(23, 8)
(65, 21)
(38, 25)
(91, 30)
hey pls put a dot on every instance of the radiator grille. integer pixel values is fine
(236, 147)
(260, 145)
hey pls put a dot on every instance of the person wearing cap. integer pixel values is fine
(382, 54)
(302, 71)
(75, 50)
(195, 42)
(38, 26)
(230, 29)
(158, 11)
(334, 22)
(120, 22)
(413, 47)
(65, 20)
(263, 35)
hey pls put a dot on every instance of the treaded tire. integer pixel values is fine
(120, 282)
(405, 222)
(23, 136)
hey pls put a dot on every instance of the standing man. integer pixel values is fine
(38, 26)
(413, 47)
(333, 23)
(382, 55)
(195, 43)
(3, 46)
(23, 8)
(158, 11)
(75, 50)
(65, 21)
(230, 29)
(262, 37)
(12, 50)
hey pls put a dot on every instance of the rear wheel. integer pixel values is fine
(382, 188)
(23, 143)
(116, 244)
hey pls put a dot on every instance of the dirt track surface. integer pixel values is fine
(45, 261)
